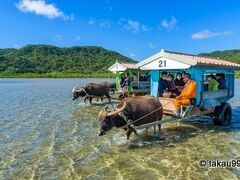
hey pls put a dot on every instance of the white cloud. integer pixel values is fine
(100, 23)
(58, 38)
(132, 25)
(16, 46)
(169, 24)
(105, 24)
(144, 28)
(132, 55)
(151, 45)
(108, 5)
(78, 38)
(205, 34)
(91, 22)
(40, 7)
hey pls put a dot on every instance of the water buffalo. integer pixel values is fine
(91, 90)
(131, 108)
(110, 86)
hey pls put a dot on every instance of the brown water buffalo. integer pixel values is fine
(91, 90)
(131, 108)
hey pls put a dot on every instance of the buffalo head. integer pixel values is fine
(78, 93)
(108, 118)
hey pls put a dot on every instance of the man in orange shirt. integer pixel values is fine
(189, 91)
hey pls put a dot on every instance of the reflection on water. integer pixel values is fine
(43, 134)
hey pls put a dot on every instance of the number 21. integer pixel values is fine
(162, 63)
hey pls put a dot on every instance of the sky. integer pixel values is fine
(134, 28)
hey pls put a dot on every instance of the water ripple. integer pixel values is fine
(44, 135)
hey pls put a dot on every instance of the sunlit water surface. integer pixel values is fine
(43, 134)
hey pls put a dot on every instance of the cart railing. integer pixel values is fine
(141, 84)
(215, 94)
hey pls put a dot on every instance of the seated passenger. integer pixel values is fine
(148, 76)
(212, 83)
(172, 89)
(183, 74)
(122, 79)
(163, 85)
(179, 80)
(124, 85)
(144, 78)
(188, 93)
(220, 77)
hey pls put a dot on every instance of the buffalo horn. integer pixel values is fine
(118, 110)
(103, 113)
(74, 89)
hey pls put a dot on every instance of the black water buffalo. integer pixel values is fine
(131, 108)
(110, 86)
(91, 90)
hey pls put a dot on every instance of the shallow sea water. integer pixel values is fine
(45, 135)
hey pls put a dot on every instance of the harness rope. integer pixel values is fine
(85, 92)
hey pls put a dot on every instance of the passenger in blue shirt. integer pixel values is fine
(163, 84)
(220, 77)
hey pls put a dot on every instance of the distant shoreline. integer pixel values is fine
(58, 75)
(67, 75)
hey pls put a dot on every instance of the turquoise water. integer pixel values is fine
(45, 135)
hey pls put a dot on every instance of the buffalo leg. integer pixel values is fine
(134, 130)
(90, 100)
(101, 99)
(159, 127)
(146, 130)
(85, 99)
(129, 131)
(109, 97)
(154, 129)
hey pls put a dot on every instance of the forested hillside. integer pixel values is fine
(78, 61)
(229, 55)
(42, 59)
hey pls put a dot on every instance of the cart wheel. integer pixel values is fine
(222, 114)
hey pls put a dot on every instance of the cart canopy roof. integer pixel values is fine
(174, 60)
(120, 67)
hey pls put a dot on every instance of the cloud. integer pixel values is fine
(108, 5)
(91, 22)
(16, 46)
(58, 38)
(40, 7)
(132, 55)
(105, 23)
(144, 28)
(205, 34)
(151, 45)
(101, 23)
(132, 25)
(169, 24)
(78, 38)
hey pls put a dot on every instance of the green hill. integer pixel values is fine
(46, 60)
(77, 61)
(229, 55)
